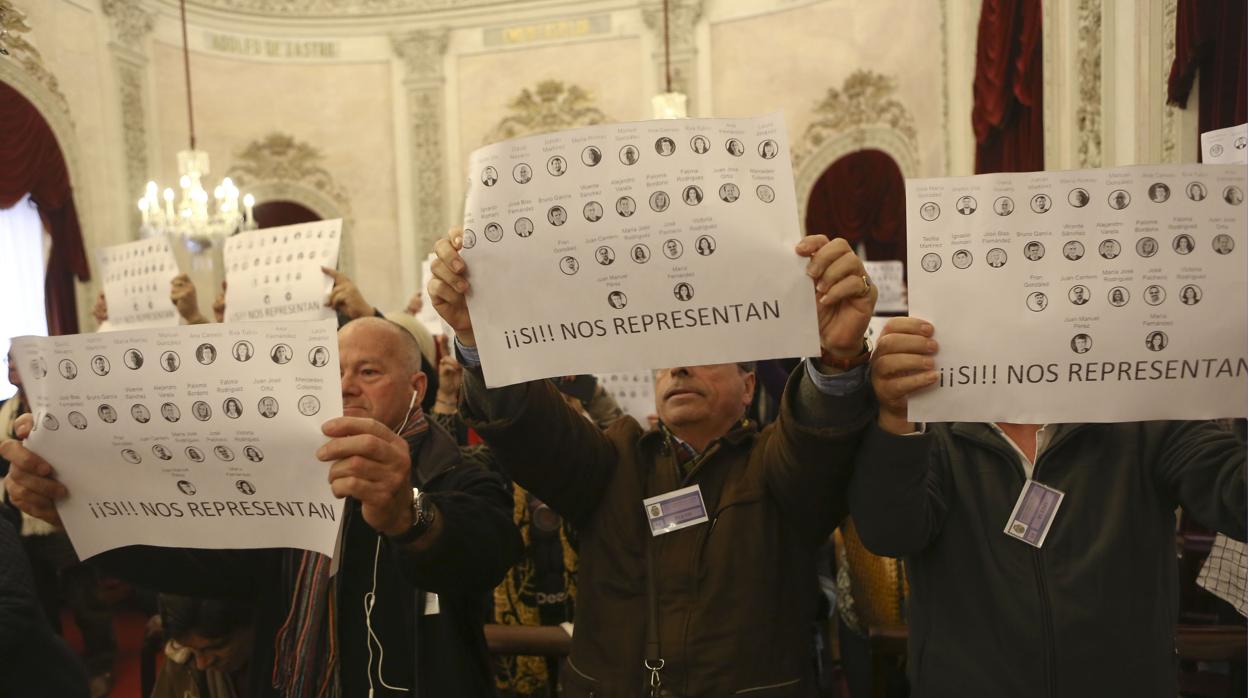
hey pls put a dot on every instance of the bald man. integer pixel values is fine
(427, 534)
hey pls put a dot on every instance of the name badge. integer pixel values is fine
(432, 607)
(1034, 513)
(675, 510)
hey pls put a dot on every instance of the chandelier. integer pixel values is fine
(194, 214)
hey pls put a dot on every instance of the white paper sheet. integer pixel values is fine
(427, 315)
(889, 279)
(1099, 295)
(200, 436)
(275, 273)
(631, 246)
(1225, 146)
(137, 278)
(634, 392)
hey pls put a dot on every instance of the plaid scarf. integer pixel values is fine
(688, 457)
(306, 660)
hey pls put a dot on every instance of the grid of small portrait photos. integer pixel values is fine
(136, 278)
(273, 266)
(1163, 219)
(131, 409)
(633, 392)
(655, 203)
(287, 247)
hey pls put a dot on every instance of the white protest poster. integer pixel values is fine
(200, 436)
(427, 315)
(1225, 146)
(633, 392)
(136, 279)
(889, 279)
(1083, 296)
(275, 273)
(631, 246)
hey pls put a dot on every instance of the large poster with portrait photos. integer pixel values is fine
(136, 278)
(1083, 296)
(200, 436)
(633, 246)
(275, 273)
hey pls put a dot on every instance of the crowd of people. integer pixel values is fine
(542, 504)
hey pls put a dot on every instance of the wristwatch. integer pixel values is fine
(423, 515)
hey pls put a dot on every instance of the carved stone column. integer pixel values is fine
(131, 25)
(421, 52)
(683, 16)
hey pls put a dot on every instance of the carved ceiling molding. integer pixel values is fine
(311, 9)
(1088, 110)
(550, 106)
(17, 51)
(130, 20)
(865, 99)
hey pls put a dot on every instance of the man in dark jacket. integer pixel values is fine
(1090, 610)
(729, 604)
(410, 594)
(34, 662)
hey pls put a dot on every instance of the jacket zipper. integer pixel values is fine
(1048, 633)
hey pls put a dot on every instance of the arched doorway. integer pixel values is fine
(272, 214)
(32, 163)
(862, 198)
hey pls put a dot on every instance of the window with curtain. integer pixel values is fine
(21, 277)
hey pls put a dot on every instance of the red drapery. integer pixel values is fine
(31, 163)
(1211, 39)
(1008, 114)
(862, 198)
(273, 214)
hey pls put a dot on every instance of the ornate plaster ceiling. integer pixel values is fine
(312, 9)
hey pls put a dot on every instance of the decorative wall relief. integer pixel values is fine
(1169, 113)
(22, 55)
(131, 24)
(550, 106)
(1088, 111)
(863, 113)
(683, 16)
(865, 98)
(279, 168)
(422, 53)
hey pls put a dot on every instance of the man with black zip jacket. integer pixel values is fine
(1088, 609)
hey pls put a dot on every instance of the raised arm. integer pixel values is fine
(1202, 466)
(540, 441)
(896, 495)
(826, 403)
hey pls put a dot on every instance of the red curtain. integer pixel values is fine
(274, 214)
(1211, 39)
(1008, 113)
(31, 163)
(862, 198)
